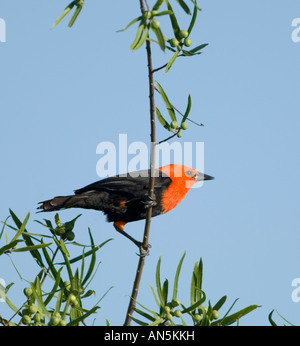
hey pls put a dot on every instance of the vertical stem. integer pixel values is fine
(151, 182)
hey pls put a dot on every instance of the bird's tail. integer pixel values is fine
(62, 202)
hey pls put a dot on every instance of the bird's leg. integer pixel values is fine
(119, 227)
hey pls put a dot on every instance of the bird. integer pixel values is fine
(124, 198)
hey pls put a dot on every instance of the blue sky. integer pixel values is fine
(64, 91)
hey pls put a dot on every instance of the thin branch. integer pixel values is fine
(159, 68)
(151, 183)
(168, 138)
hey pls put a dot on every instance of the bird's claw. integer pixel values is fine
(150, 202)
(144, 249)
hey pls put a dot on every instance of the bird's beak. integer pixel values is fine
(201, 176)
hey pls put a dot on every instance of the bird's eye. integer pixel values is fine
(189, 173)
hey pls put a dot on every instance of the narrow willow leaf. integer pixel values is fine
(6, 300)
(93, 260)
(165, 290)
(35, 253)
(3, 228)
(139, 322)
(75, 15)
(9, 246)
(157, 322)
(66, 11)
(272, 322)
(157, 5)
(32, 247)
(175, 287)
(138, 35)
(158, 284)
(188, 109)
(37, 293)
(196, 49)
(236, 316)
(54, 289)
(171, 62)
(174, 22)
(160, 38)
(168, 104)
(220, 303)
(163, 121)
(22, 228)
(88, 253)
(184, 6)
(131, 23)
(62, 248)
(144, 314)
(155, 296)
(163, 13)
(82, 317)
(193, 20)
(143, 38)
(195, 305)
(195, 4)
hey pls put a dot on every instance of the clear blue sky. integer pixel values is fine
(64, 91)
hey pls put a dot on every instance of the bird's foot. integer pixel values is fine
(144, 249)
(150, 202)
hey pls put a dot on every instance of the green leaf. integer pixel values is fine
(175, 287)
(188, 109)
(131, 23)
(93, 260)
(75, 15)
(272, 322)
(163, 13)
(226, 321)
(35, 253)
(37, 293)
(193, 20)
(155, 296)
(3, 228)
(139, 322)
(220, 303)
(195, 4)
(157, 5)
(22, 228)
(82, 317)
(162, 120)
(165, 290)
(6, 300)
(157, 322)
(9, 246)
(138, 35)
(31, 247)
(54, 289)
(144, 314)
(143, 38)
(168, 104)
(195, 305)
(66, 11)
(184, 6)
(196, 49)
(174, 22)
(171, 61)
(160, 38)
(65, 253)
(158, 284)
